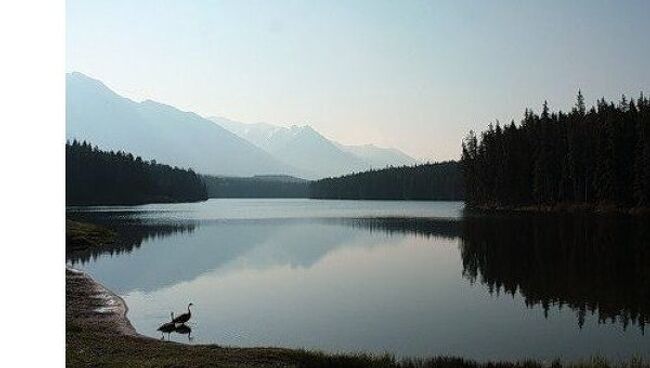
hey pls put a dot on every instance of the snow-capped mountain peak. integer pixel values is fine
(303, 147)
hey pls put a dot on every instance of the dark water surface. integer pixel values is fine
(410, 278)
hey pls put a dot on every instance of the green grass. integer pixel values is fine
(81, 235)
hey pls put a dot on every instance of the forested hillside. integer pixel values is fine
(95, 177)
(437, 181)
(262, 186)
(595, 157)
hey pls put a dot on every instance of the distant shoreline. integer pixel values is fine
(569, 208)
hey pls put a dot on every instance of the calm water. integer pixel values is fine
(411, 278)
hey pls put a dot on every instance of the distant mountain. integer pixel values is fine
(304, 148)
(280, 178)
(157, 131)
(161, 132)
(379, 157)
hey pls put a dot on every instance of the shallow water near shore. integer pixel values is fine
(409, 278)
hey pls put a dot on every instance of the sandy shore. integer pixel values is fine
(111, 310)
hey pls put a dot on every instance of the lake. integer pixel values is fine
(409, 278)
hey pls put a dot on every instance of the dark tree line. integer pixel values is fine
(95, 177)
(437, 181)
(256, 187)
(599, 156)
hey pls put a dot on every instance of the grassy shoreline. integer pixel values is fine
(82, 235)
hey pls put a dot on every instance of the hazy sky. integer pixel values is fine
(416, 75)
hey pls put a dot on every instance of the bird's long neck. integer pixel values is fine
(188, 309)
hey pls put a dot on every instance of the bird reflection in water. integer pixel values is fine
(184, 330)
(181, 329)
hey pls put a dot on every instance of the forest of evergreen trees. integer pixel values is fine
(595, 157)
(437, 181)
(263, 186)
(95, 177)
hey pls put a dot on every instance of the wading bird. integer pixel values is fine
(185, 316)
(168, 327)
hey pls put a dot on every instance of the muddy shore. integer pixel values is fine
(110, 309)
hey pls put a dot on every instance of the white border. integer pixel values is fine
(32, 82)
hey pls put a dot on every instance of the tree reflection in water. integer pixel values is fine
(595, 264)
(131, 231)
(591, 264)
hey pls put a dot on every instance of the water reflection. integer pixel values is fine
(338, 282)
(427, 228)
(185, 250)
(131, 232)
(168, 330)
(184, 330)
(592, 264)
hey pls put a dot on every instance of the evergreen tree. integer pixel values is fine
(95, 177)
(437, 181)
(596, 156)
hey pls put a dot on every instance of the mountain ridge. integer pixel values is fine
(210, 145)
(304, 147)
(159, 131)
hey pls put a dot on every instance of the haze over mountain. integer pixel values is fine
(157, 131)
(161, 132)
(304, 148)
(379, 157)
